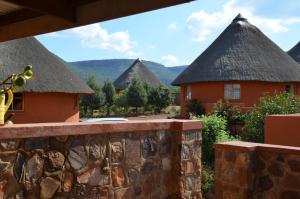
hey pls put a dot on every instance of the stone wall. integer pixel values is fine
(149, 164)
(249, 170)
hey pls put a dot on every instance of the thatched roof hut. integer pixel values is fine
(295, 52)
(50, 73)
(136, 70)
(241, 52)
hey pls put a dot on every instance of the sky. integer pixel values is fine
(176, 35)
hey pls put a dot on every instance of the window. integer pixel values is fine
(232, 91)
(17, 104)
(289, 89)
(188, 93)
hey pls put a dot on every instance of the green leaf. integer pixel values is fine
(28, 74)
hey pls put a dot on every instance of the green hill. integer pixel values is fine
(111, 69)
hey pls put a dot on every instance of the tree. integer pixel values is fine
(147, 88)
(137, 96)
(95, 101)
(121, 100)
(110, 93)
(160, 98)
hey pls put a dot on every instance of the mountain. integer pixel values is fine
(112, 68)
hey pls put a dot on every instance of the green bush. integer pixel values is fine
(230, 112)
(284, 103)
(195, 108)
(214, 131)
(207, 178)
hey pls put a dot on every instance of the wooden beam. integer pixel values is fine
(64, 9)
(92, 12)
(16, 16)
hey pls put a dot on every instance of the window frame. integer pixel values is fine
(231, 91)
(188, 93)
(12, 104)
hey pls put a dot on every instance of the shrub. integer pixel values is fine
(254, 127)
(207, 178)
(230, 112)
(284, 103)
(195, 108)
(213, 131)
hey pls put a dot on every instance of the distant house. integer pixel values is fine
(239, 66)
(295, 52)
(53, 95)
(136, 70)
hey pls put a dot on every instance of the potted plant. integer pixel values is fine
(12, 84)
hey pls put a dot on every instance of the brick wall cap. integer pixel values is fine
(251, 146)
(61, 129)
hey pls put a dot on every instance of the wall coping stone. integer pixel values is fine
(251, 146)
(80, 128)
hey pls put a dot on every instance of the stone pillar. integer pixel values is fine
(190, 164)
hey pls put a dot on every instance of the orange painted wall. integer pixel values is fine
(210, 92)
(282, 130)
(48, 107)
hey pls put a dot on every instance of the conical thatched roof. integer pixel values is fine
(241, 52)
(136, 70)
(295, 52)
(50, 73)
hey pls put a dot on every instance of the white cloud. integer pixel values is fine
(172, 26)
(202, 24)
(94, 36)
(169, 60)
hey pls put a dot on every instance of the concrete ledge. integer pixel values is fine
(61, 129)
(250, 146)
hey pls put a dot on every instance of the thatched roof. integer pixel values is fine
(136, 70)
(50, 73)
(241, 52)
(295, 52)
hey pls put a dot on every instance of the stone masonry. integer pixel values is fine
(141, 165)
(264, 172)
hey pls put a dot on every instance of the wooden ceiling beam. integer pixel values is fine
(64, 9)
(91, 11)
(18, 15)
